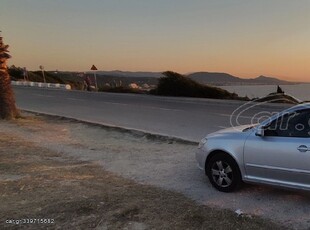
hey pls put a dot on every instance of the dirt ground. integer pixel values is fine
(40, 181)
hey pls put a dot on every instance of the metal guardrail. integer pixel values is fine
(42, 85)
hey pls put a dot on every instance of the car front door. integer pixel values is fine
(282, 155)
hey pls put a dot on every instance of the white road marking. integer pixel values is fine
(43, 95)
(114, 103)
(148, 107)
(229, 115)
(178, 110)
(75, 99)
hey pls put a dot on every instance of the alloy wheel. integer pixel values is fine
(222, 173)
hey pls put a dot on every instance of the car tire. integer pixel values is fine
(223, 172)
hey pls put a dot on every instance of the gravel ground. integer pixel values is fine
(166, 164)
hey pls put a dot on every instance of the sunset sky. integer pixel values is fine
(246, 38)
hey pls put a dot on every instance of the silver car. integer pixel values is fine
(274, 152)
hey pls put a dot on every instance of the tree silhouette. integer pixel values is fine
(8, 108)
(175, 84)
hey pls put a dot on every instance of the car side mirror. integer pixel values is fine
(260, 132)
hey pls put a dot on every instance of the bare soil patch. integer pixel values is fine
(40, 183)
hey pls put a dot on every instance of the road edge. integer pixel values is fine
(137, 132)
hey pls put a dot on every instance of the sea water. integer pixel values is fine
(299, 91)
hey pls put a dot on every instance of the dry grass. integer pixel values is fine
(37, 183)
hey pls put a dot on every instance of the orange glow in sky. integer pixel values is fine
(240, 37)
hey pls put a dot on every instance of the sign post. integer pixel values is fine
(25, 74)
(94, 68)
(42, 69)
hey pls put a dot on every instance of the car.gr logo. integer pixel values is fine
(255, 111)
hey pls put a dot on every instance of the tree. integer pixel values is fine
(175, 84)
(16, 73)
(8, 108)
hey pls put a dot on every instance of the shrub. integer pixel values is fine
(174, 84)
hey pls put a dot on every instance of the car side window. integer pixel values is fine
(296, 124)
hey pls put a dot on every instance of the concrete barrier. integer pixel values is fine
(42, 85)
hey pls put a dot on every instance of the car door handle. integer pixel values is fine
(303, 148)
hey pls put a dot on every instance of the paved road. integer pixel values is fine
(186, 118)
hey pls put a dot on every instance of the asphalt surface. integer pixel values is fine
(186, 118)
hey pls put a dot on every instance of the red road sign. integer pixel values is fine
(93, 67)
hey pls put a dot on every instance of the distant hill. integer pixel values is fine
(214, 78)
(227, 79)
(210, 78)
(270, 80)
